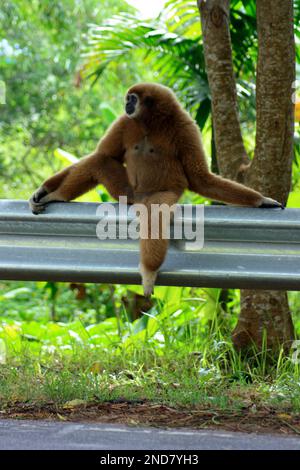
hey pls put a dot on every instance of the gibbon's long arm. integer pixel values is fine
(104, 166)
(207, 184)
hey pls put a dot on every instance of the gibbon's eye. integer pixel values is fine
(131, 98)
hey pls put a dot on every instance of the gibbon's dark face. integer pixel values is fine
(149, 100)
(132, 104)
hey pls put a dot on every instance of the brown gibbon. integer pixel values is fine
(150, 154)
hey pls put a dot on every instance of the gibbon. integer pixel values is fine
(150, 154)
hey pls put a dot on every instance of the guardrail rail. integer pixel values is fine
(244, 248)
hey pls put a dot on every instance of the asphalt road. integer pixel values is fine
(43, 435)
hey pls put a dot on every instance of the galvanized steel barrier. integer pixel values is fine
(244, 248)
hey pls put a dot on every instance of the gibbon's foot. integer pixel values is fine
(269, 203)
(148, 280)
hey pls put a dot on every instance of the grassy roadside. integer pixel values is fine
(174, 366)
(139, 386)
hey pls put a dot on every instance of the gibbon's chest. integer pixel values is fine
(149, 164)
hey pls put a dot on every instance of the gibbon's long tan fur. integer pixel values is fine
(151, 154)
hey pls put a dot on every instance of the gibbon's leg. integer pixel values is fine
(79, 178)
(153, 251)
(105, 166)
(62, 187)
(221, 189)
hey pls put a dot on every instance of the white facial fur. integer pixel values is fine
(137, 107)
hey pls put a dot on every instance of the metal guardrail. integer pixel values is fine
(244, 248)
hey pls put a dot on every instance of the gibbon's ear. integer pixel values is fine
(149, 102)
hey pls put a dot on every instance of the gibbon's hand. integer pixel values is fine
(40, 199)
(35, 202)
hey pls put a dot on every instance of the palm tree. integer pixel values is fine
(172, 46)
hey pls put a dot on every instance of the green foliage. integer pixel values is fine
(172, 56)
(56, 344)
(172, 47)
(48, 104)
(178, 353)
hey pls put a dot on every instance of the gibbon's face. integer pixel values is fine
(132, 105)
(146, 99)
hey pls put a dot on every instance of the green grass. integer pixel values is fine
(171, 378)
(178, 354)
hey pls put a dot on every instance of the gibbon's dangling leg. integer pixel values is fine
(104, 166)
(154, 222)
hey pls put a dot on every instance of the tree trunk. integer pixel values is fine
(270, 171)
(230, 150)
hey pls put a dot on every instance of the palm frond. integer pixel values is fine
(178, 59)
